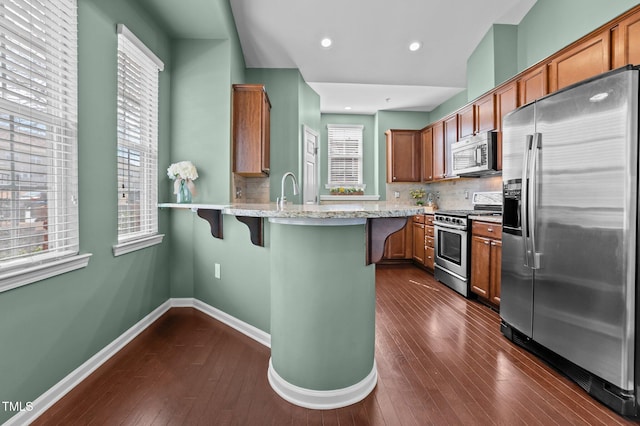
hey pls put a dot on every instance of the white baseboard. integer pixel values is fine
(323, 400)
(60, 389)
(233, 322)
(64, 386)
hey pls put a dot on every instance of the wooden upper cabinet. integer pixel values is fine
(477, 117)
(533, 84)
(438, 150)
(403, 156)
(467, 121)
(451, 129)
(485, 113)
(450, 137)
(251, 130)
(625, 38)
(506, 100)
(581, 61)
(426, 137)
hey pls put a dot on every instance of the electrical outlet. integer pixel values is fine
(396, 194)
(217, 270)
(466, 194)
(437, 195)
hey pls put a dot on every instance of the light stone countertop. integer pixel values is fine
(322, 211)
(492, 219)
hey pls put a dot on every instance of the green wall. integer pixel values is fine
(493, 61)
(283, 90)
(551, 25)
(51, 327)
(293, 103)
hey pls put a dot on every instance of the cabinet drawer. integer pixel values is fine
(486, 229)
(429, 257)
(428, 230)
(429, 241)
(419, 218)
(428, 219)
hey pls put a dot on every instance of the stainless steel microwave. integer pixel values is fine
(475, 155)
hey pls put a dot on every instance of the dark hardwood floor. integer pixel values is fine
(441, 360)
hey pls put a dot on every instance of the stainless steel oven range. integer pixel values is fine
(452, 241)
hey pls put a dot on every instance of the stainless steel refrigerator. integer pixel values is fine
(570, 233)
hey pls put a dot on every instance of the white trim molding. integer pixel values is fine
(64, 386)
(233, 322)
(323, 400)
(349, 198)
(137, 244)
(30, 274)
(122, 29)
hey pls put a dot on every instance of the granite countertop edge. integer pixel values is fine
(322, 211)
(492, 219)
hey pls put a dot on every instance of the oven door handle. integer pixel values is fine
(449, 226)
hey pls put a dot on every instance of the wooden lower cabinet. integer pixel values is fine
(399, 245)
(486, 261)
(423, 239)
(418, 239)
(429, 240)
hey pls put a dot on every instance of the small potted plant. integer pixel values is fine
(341, 190)
(418, 195)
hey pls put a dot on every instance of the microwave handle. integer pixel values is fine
(478, 156)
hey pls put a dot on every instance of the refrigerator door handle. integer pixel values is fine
(531, 202)
(524, 196)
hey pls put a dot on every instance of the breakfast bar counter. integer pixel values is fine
(322, 286)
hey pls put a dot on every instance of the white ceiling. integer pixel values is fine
(369, 67)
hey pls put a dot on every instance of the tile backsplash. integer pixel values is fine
(449, 194)
(250, 190)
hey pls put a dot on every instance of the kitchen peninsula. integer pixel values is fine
(322, 292)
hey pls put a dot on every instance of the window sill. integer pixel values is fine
(349, 197)
(137, 244)
(23, 276)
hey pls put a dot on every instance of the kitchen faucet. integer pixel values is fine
(282, 200)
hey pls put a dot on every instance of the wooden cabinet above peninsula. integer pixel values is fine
(251, 130)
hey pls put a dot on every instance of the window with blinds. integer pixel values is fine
(38, 132)
(345, 154)
(137, 151)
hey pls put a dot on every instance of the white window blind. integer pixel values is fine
(345, 154)
(38, 132)
(137, 151)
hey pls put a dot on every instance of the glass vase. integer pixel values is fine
(184, 194)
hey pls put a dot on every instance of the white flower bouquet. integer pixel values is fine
(183, 170)
(184, 173)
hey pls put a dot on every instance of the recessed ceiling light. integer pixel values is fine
(415, 46)
(347, 108)
(326, 42)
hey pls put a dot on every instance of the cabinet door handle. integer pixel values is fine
(489, 229)
(486, 243)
